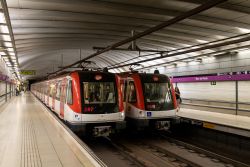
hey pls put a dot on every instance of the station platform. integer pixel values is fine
(218, 121)
(29, 137)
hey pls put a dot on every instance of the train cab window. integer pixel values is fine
(158, 96)
(58, 91)
(132, 92)
(98, 92)
(69, 93)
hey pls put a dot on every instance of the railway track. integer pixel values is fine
(205, 153)
(162, 151)
(148, 156)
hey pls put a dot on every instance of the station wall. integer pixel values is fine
(219, 97)
(3, 91)
(222, 91)
(6, 88)
(244, 91)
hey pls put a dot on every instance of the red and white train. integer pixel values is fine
(149, 100)
(88, 101)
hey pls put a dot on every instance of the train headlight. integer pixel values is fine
(122, 114)
(141, 114)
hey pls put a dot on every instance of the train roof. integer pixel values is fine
(147, 77)
(90, 76)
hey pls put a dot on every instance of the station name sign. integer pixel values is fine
(28, 72)
(237, 77)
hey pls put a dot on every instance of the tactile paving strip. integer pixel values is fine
(29, 151)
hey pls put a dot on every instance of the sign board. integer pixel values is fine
(213, 82)
(239, 77)
(28, 72)
(208, 125)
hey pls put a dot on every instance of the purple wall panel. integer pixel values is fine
(4, 77)
(239, 77)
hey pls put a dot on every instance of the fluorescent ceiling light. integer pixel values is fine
(2, 53)
(210, 58)
(12, 53)
(6, 37)
(219, 36)
(10, 49)
(159, 61)
(185, 45)
(8, 44)
(244, 30)
(5, 58)
(4, 29)
(2, 18)
(193, 63)
(180, 63)
(201, 41)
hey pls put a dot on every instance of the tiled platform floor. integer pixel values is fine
(29, 139)
(237, 121)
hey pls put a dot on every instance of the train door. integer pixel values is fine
(54, 96)
(43, 93)
(47, 93)
(123, 84)
(63, 97)
(69, 93)
(130, 95)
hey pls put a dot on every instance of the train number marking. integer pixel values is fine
(149, 114)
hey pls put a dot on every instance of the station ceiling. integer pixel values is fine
(53, 33)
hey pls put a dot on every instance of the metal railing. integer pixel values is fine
(211, 105)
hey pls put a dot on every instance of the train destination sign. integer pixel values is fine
(28, 72)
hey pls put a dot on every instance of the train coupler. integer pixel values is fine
(99, 131)
(162, 125)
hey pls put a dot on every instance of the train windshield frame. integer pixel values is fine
(157, 93)
(99, 92)
(98, 77)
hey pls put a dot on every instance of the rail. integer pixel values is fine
(5, 94)
(205, 152)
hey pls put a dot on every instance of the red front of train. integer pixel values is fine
(149, 100)
(88, 101)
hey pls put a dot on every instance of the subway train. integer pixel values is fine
(149, 100)
(88, 101)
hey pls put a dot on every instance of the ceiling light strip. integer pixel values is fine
(9, 45)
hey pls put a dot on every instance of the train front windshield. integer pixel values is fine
(158, 96)
(99, 92)
(99, 98)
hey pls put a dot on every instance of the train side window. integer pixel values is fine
(58, 91)
(54, 91)
(48, 90)
(132, 93)
(51, 90)
(69, 93)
